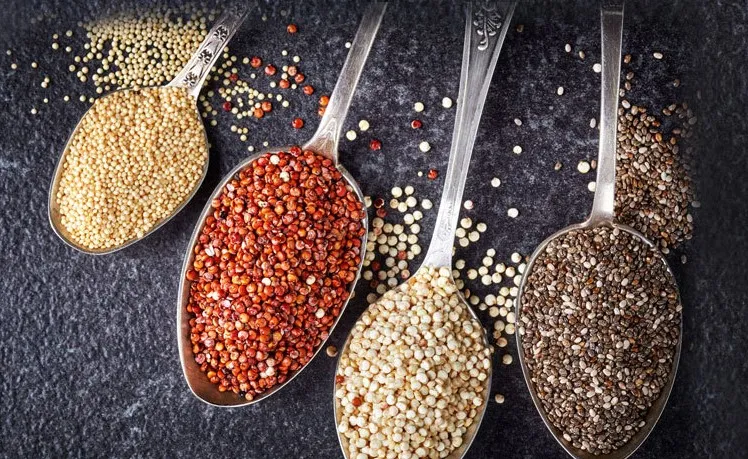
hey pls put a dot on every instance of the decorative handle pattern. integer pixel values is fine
(193, 75)
(325, 139)
(486, 25)
(611, 20)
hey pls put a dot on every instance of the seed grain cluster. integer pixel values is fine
(273, 267)
(602, 321)
(412, 380)
(140, 48)
(135, 158)
(653, 185)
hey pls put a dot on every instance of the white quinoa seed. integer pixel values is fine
(597, 68)
(447, 102)
(495, 182)
(363, 125)
(583, 167)
(560, 91)
(657, 55)
(424, 146)
(567, 48)
(512, 212)
(468, 205)
(387, 324)
(517, 149)
(418, 107)
(351, 135)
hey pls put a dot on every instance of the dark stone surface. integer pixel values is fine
(88, 358)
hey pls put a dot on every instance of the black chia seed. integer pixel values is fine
(602, 322)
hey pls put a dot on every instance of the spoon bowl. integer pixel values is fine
(603, 214)
(325, 143)
(191, 77)
(655, 411)
(473, 429)
(485, 29)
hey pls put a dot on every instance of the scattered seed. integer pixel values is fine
(363, 125)
(418, 107)
(657, 55)
(447, 102)
(583, 167)
(351, 135)
(512, 212)
(560, 91)
(424, 146)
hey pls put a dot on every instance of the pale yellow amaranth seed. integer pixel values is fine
(413, 379)
(135, 158)
(143, 48)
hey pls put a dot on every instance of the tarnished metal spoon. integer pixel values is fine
(485, 29)
(190, 77)
(602, 214)
(325, 143)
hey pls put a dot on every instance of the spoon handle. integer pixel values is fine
(486, 25)
(197, 69)
(325, 139)
(611, 20)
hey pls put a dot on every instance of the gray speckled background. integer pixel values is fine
(88, 358)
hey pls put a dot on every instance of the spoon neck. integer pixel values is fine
(326, 138)
(611, 20)
(194, 74)
(485, 28)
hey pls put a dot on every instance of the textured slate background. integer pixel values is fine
(88, 358)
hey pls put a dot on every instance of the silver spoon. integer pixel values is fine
(485, 30)
(603, 214)
(324, 142)
(192, 77)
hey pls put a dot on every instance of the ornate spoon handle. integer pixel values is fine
(485, 28)
(193, 75)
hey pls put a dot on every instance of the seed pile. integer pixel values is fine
(653, 184)
(140, 48)
(412, 380)
(273, 267)
(602, 321)
(135, 158)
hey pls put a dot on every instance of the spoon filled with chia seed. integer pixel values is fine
(274, 257)
(599, 309)
(137, 156)
(414, 375)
